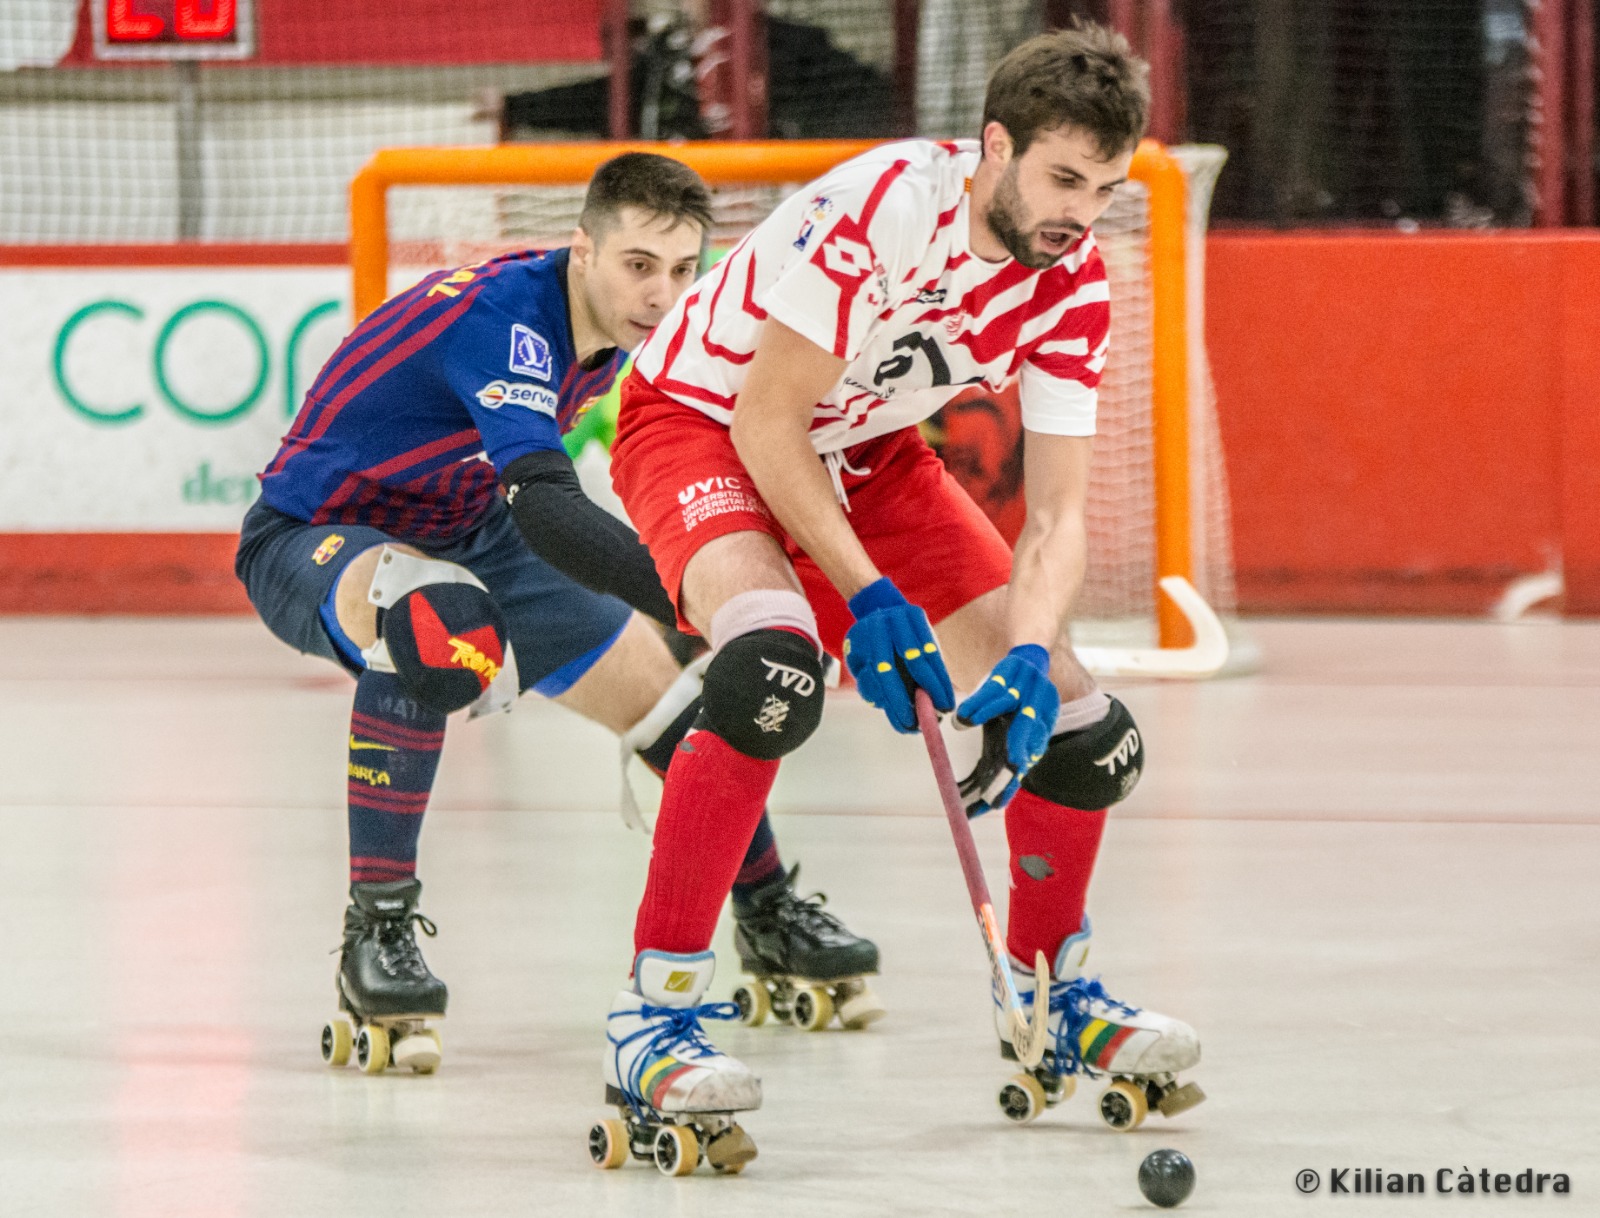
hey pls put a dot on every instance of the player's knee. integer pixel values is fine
(440, 631)
(1092, 768)
(763, 692)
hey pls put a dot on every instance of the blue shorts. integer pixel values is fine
(559, 628)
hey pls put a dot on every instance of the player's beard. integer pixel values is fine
(1005, 221)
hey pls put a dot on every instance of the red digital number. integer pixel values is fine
(125, 24)
(218, 25)
(191, 20)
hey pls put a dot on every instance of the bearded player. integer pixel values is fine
(768, 452)
(382, 541)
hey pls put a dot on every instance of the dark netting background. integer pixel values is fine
(1340, 111)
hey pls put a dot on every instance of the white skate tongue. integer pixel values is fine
(671, 980)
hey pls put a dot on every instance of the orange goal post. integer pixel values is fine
(1150, 504)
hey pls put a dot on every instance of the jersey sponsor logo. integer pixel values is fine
(530, 353)
(331, 545)
(803, 683)
(820, 207)
(772, 714)
(931, 296)
(518, 393)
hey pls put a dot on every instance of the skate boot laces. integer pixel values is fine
(398, 953)
(807, 913)
(1070, 1000)
(677, 1034)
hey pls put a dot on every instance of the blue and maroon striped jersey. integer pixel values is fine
(409, 423)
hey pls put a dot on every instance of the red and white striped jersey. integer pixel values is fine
(872, 263)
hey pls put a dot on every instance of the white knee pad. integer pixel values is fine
(397, 574)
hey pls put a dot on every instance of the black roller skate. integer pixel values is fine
(386, 993)
(807, 966)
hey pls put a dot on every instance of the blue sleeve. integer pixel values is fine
(507, 372)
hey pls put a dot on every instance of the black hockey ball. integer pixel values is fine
(1166, 1178)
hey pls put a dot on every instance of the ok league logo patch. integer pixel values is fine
(530, 353)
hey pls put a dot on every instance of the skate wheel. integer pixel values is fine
(858, 1006)
(1022, 1098)
(1123, 1106)
(608, 1144)
(421, 1051)
(754, 1004)
(813, 1008)
(677, 1150)
(372, 1049)
(337, 1041)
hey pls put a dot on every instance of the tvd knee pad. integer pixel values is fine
(763, 692)
(1092, 768)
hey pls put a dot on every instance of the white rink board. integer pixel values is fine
(97, 437)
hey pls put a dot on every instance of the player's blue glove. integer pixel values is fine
(1018, 699)
(890, 651)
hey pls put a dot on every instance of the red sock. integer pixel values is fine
(1053, 849)
(713, 798)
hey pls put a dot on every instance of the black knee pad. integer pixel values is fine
(446, 642)
(763, 693)
(1093, 768)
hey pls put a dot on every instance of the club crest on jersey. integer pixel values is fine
(530, 353)
(331, 545)
(820, 207)
(517, 393)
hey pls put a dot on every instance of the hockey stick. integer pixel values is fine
(1028, 1040)
(1202, 658)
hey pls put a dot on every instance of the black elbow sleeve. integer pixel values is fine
(579, 538)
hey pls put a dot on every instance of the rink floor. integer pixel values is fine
(1367, 875)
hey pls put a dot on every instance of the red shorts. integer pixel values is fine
(684, 485)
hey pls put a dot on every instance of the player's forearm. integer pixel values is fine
(792, 480)
(1046, 572)
(1052, 553)
(579, 538)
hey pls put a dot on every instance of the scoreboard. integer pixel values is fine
(173, 29)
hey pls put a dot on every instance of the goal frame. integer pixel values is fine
(1192, 641)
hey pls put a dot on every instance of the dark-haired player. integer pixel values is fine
(423, 527)
(791, 378)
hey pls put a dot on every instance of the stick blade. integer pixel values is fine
(1029, 1038)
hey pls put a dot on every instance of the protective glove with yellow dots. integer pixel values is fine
(1019, 694)
(891, 651)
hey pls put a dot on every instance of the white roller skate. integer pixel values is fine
(677, 1095)
(1094, 1035)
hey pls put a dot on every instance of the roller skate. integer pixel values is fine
(1095, 1036)
(386, 993)
(806, 966)
(675, 1093)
